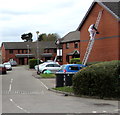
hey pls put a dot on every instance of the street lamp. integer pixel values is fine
(37, 32)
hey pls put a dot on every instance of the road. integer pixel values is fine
(23, 93)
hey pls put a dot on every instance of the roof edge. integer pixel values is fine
(100, 3)
(67, 35)
(90, 8)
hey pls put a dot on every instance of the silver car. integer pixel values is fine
(53, 67)
(8, 66)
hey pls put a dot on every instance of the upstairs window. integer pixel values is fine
(18, 51)
(11, 51)
(22, 51)
(67, 45)
(76, 45)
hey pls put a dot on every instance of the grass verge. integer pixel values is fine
(47, 75)
(65, 89)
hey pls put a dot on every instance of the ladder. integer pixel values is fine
(55, 58)
(91, 41)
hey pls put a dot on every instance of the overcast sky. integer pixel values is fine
(46, 16)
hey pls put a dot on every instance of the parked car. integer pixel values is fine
(13, 63)
(8, 66)
(36, 67)
(2, 69)
(51, 66)
(71, 67)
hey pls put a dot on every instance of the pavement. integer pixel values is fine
(50, 83)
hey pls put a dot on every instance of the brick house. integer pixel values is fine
(70, 46)
(22, 51)
(50, 51)
(18, 51)
(107, 43)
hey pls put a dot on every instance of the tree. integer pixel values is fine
(27, 37)
(42, 37)
(49, 37)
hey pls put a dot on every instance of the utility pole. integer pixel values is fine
(37, 32)
(28, 52)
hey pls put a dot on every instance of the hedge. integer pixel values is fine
(33, 62)
(75, 60)
(101, 80)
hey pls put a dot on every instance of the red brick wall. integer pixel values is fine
(70, 50)
(104, 49)
(11, 56)
(6, 56)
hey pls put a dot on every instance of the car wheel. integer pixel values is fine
(43, 71)
(38, 72)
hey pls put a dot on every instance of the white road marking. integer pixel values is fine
(10, 87)
(19, 106)
(11, 81)
(104, 111)
(94, 111)
(44, 85)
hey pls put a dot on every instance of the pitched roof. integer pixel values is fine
(112, 7)
(71, 36)
(16, 45)
(24, 45)
(47, 44)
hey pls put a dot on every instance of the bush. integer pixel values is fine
(33, 62)
(75, 60)
(100, 79)
(91, 63)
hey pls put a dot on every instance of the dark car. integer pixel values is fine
(71, 67)
(2, 69)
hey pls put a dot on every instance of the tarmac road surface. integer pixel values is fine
(23, 93)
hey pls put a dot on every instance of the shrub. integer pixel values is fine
(75, 60)
(33, 62)
(100, 79)
(91, 63)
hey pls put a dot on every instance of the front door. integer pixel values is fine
(21, 61)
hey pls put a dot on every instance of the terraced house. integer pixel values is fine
(22, 51)
(70, 46)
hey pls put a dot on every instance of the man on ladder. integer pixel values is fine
(92, 30)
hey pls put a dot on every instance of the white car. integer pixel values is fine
(8, 66)
(53, 67)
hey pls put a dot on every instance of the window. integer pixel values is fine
(19, 51)
(47, 50)
(73, 68)
(59, 58)
(22, 51)
(50, 65)
(11, 51)
(55, 50)
(67, 58)
(76, 45)
(55, 65)
(67, 45)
